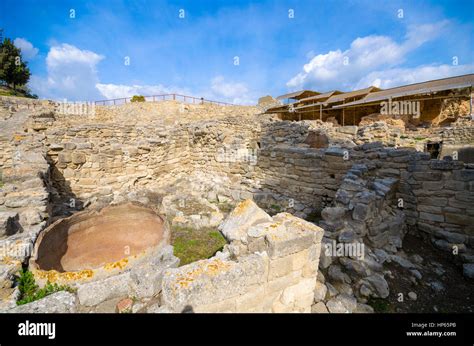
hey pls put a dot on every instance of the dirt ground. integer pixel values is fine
(457, 294)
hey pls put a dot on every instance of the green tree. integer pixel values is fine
(13, 70)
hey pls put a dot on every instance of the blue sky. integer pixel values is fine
(326, 45)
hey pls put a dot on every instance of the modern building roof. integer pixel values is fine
(336, 96)
(352, 94)
(322, 96)
(459, 82)
(277, 108)
(298, 94)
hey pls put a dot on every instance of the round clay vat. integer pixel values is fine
(97, 243)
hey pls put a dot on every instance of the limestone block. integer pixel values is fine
(93, 293)
(269, 299)
(279, 307)
(30, 217)
(251, 301)
(310, 269)
(299, 259)
(78, 158)
(65, 157)
(278, 284)
(304, 302)
(245, 215)
(299, 235)
(59, 302)
(302, 288)
(147, 278)
(224, 306)
(319, 308)
(280, 267)
(320, 291)
(210, 281)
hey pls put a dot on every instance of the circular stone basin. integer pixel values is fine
(92, 239)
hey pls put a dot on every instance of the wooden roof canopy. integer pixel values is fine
(336, 99)
(458, 82)
(298, 95)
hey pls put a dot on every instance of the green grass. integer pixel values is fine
(419, 139)
(380, 304)
(6, 91)
(29, 290)
(274, 209)
(191, 245)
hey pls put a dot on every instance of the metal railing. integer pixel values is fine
(164, 97)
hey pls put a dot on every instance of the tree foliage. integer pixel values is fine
(137, 98)
(13, 70)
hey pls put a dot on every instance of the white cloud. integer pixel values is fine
(347, 69)
(220, 90)
(27, 50)
(115, 91)
(71, 74)
(402, 76)
(233, 92)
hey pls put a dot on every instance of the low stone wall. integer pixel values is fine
(12, 104)
(274, 269)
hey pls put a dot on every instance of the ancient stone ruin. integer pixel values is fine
(316, 217)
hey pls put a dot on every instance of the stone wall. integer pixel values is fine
(268, 163)
(458, 140)
(229, 158)
(274, 270)
(104, 160)
(385, 194)
(366, 193)
(438, 199)
(391, 191)
(24, 211)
